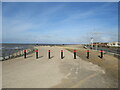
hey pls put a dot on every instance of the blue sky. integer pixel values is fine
(60, 22)
(0, 22)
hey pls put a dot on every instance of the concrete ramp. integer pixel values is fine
(52, 73)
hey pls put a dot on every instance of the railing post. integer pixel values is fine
(74, 54)
(24, 53)
(36, 53)
(101, 54)
(87, 54)
(61, 54)
(49, 54)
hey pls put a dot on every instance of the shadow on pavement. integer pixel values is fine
(28, 56)
(40, 56)
(51, 57)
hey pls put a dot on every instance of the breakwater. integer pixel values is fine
(9, 51)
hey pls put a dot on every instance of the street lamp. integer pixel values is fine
(92, 42)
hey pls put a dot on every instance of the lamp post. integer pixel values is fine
(92, 42)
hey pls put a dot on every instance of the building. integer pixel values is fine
(99, 44)
(114, 44)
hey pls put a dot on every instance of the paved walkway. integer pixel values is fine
(52, 73)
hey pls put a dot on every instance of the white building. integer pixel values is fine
(114, 44)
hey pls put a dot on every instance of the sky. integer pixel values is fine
(0, 22)
(59, 22)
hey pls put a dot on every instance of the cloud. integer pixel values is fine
(101, 36)
(52, 25)
(86, 14)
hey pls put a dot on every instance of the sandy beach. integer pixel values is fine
(54, 72)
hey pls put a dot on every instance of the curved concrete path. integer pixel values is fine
(52, 73)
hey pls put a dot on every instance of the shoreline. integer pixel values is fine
(17, 53)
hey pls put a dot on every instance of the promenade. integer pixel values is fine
(53, 73)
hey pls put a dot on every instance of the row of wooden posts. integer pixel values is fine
(62, 56)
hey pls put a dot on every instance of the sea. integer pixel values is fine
(7, 49)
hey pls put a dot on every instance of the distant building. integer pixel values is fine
(99, 44)
(114, 44)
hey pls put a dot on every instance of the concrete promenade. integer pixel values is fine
(54, 72)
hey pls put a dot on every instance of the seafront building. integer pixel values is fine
(97, 44)
(106, 44)
(114, 44)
